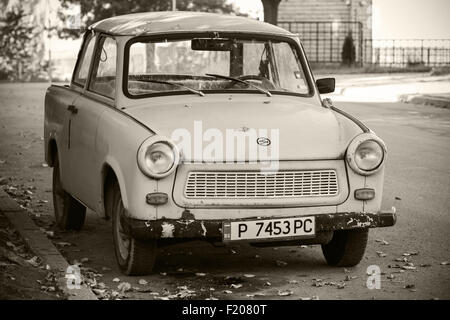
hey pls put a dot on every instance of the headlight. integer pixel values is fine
(157, 157)
(366, 154)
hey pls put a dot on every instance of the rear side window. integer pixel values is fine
(103, 79)
(81, 74)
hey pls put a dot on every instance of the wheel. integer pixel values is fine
(69, 213)
(133, 256)
(346, 248)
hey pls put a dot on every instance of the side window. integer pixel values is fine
(81, 73)
(103, 79)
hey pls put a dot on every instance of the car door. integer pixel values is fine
(99, 94)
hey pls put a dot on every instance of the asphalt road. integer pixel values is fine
(417, 174)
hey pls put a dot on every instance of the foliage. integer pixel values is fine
(348, 50)
(93, 11)
(17, 44)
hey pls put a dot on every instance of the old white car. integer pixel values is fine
(183, 126)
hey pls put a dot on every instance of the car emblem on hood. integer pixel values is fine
(262, 141)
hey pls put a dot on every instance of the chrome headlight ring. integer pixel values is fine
(158, 157)
(366, 154)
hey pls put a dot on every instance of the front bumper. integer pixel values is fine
(190, 229)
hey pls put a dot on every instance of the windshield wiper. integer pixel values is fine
(173, 84)
(266, 92)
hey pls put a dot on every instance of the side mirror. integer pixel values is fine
(326, 85)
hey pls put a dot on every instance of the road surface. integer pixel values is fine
(417, 174)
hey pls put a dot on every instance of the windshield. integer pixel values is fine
(215, 65)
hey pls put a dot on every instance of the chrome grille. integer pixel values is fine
(254, 184)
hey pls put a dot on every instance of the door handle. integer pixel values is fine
(72, 108)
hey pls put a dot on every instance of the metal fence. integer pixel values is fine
(407, 53)
(323, 42)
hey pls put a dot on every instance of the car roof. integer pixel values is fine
(182, 21)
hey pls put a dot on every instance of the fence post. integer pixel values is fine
(393, 53)
(428, 58)
(317, 41)
(421, 52)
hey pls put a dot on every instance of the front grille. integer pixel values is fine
(254, 184)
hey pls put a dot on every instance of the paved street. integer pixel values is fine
(417, 174)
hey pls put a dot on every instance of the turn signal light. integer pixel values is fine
(365, 194)
(157, 198)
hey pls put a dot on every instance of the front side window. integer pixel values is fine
(156, 67)
(82, 71)
(103, 79)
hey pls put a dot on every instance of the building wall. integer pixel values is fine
(323, 41)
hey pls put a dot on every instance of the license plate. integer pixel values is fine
(301, 227)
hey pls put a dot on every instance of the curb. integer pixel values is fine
(435, 100)
(41, 246)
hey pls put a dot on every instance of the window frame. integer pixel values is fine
(87, 38)
(96, 57)
(180, 36)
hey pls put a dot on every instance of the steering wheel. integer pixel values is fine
(264, 81)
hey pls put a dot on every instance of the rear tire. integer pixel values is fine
(346, 248)
(134, 257)
(69, 213)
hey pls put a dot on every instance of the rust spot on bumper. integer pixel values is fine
(203, 229)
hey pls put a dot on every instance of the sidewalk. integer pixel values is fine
(437, 100)
(414, 88)
(38, 243)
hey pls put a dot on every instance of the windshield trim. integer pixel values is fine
(239, 35)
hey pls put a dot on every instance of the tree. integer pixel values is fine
(271, 11)
(93, 11)
(17, 44)
(348, 50)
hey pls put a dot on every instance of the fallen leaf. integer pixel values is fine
(236, 285)
(381, 254)
(284, 293)
(142, 282)
(444, 263)
(391, 276)
(267, 284)
(281, 263)
(124, 287)
(33, 261)
(63, 244)
(341, 285)
(409, 267)
(310, 298)
(249, 275)
(116, 280)
(228, 291)
(84, 260)
(200, 274)
(292, 281)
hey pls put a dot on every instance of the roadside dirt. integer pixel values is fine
(22, 275)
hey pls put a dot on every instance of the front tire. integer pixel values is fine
(133, 256)
(346, 248)
(69, 213)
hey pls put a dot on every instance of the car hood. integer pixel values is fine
(298, 128)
